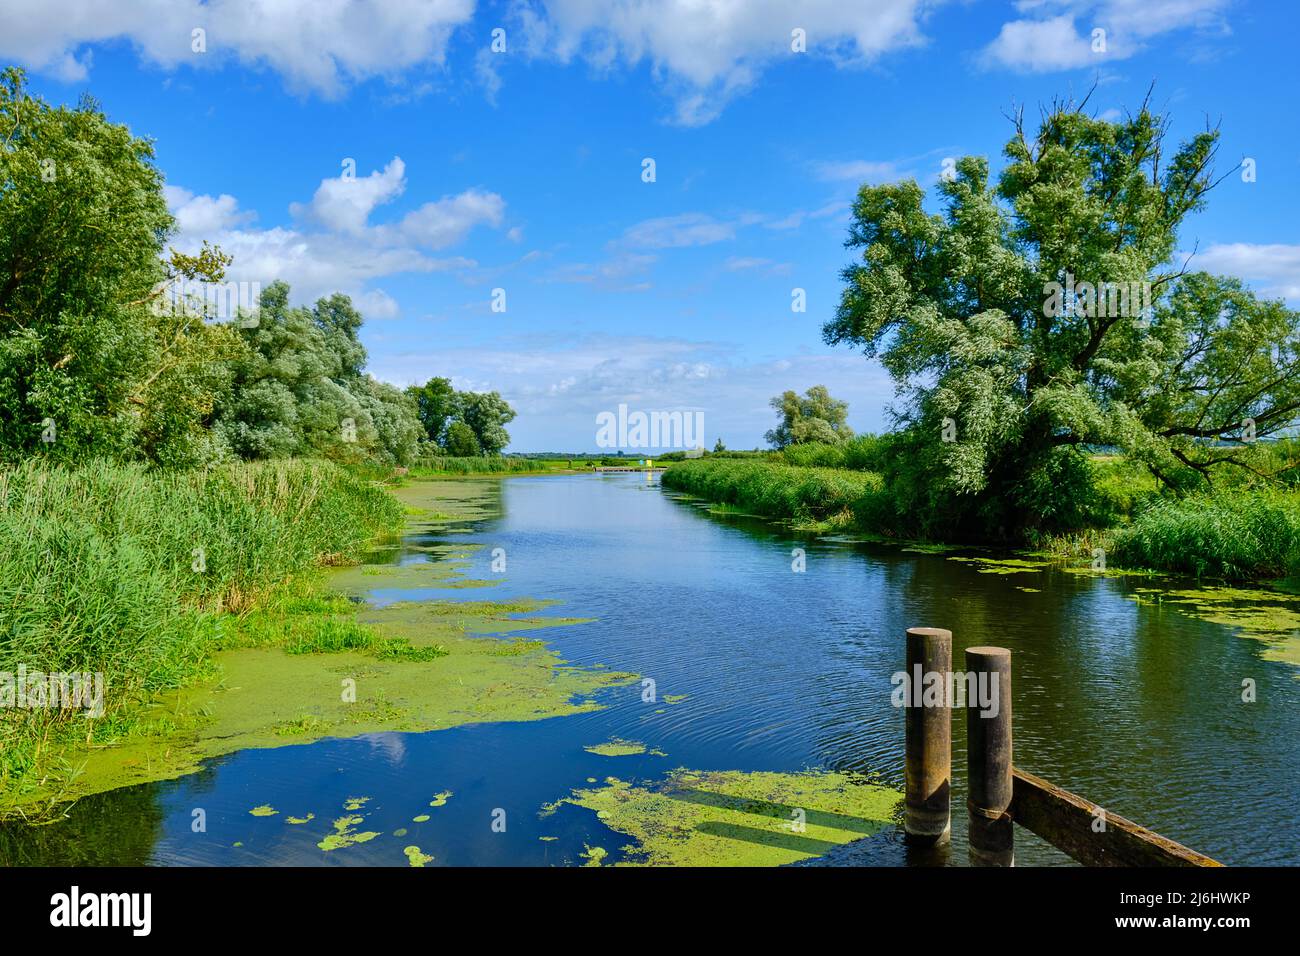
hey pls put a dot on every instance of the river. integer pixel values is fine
(1135, 706)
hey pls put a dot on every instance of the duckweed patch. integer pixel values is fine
(617, 748)
(1003, 565)
(1272, 617)
(415, 857)
(346, 834)
(734, 818)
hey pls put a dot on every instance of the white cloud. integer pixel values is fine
(317, 45)
(1041, 45)
(1273, 268)
(436, 225)
(705, 52)
(344, 204)
(1060, 33)
(201, 214)
(338, 249)
(756, 264)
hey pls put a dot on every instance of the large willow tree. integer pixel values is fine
(1028, 319)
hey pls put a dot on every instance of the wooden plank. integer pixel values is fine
(1065, 820)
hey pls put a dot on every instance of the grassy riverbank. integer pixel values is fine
(1242, 533)
(129, 573)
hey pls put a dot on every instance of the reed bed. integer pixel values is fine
(126, 572)
(776, 491)
(1236, 535)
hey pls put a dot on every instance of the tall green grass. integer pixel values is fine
(776, 491)
(1238, 535)
(114, 569)
(862, 453)
(481, 465)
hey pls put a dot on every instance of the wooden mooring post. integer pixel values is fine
(988, 756)
(1000, 794)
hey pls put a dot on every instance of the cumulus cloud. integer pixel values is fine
(203, 214)
(316, 45)
(335, 247)
(1061, 34)
(705, 52)
(344, 204)
(1272, 268)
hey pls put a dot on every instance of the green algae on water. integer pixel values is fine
(466, 664)
(1004, 565)
(593, 855)
(734, 818)
(415, 857)
(345, 833)
(1272, 617)
(618, 748)
(440, 799)
(265, 810)
(300, 820)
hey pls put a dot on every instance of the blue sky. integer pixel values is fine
(522, 170)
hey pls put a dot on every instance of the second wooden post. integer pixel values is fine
(988, 754)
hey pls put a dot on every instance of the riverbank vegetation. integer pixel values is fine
(1247, 528)
(141, 575)
(1033, 322)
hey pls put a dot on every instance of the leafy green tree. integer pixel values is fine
(86, 365)
(398, 431)
(487, 413)
(461, 441)
(718, 446)
(1003, 321)
(298, 389)
(437, 404)
(812, 417)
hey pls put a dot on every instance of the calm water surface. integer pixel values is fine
(1138, 708)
